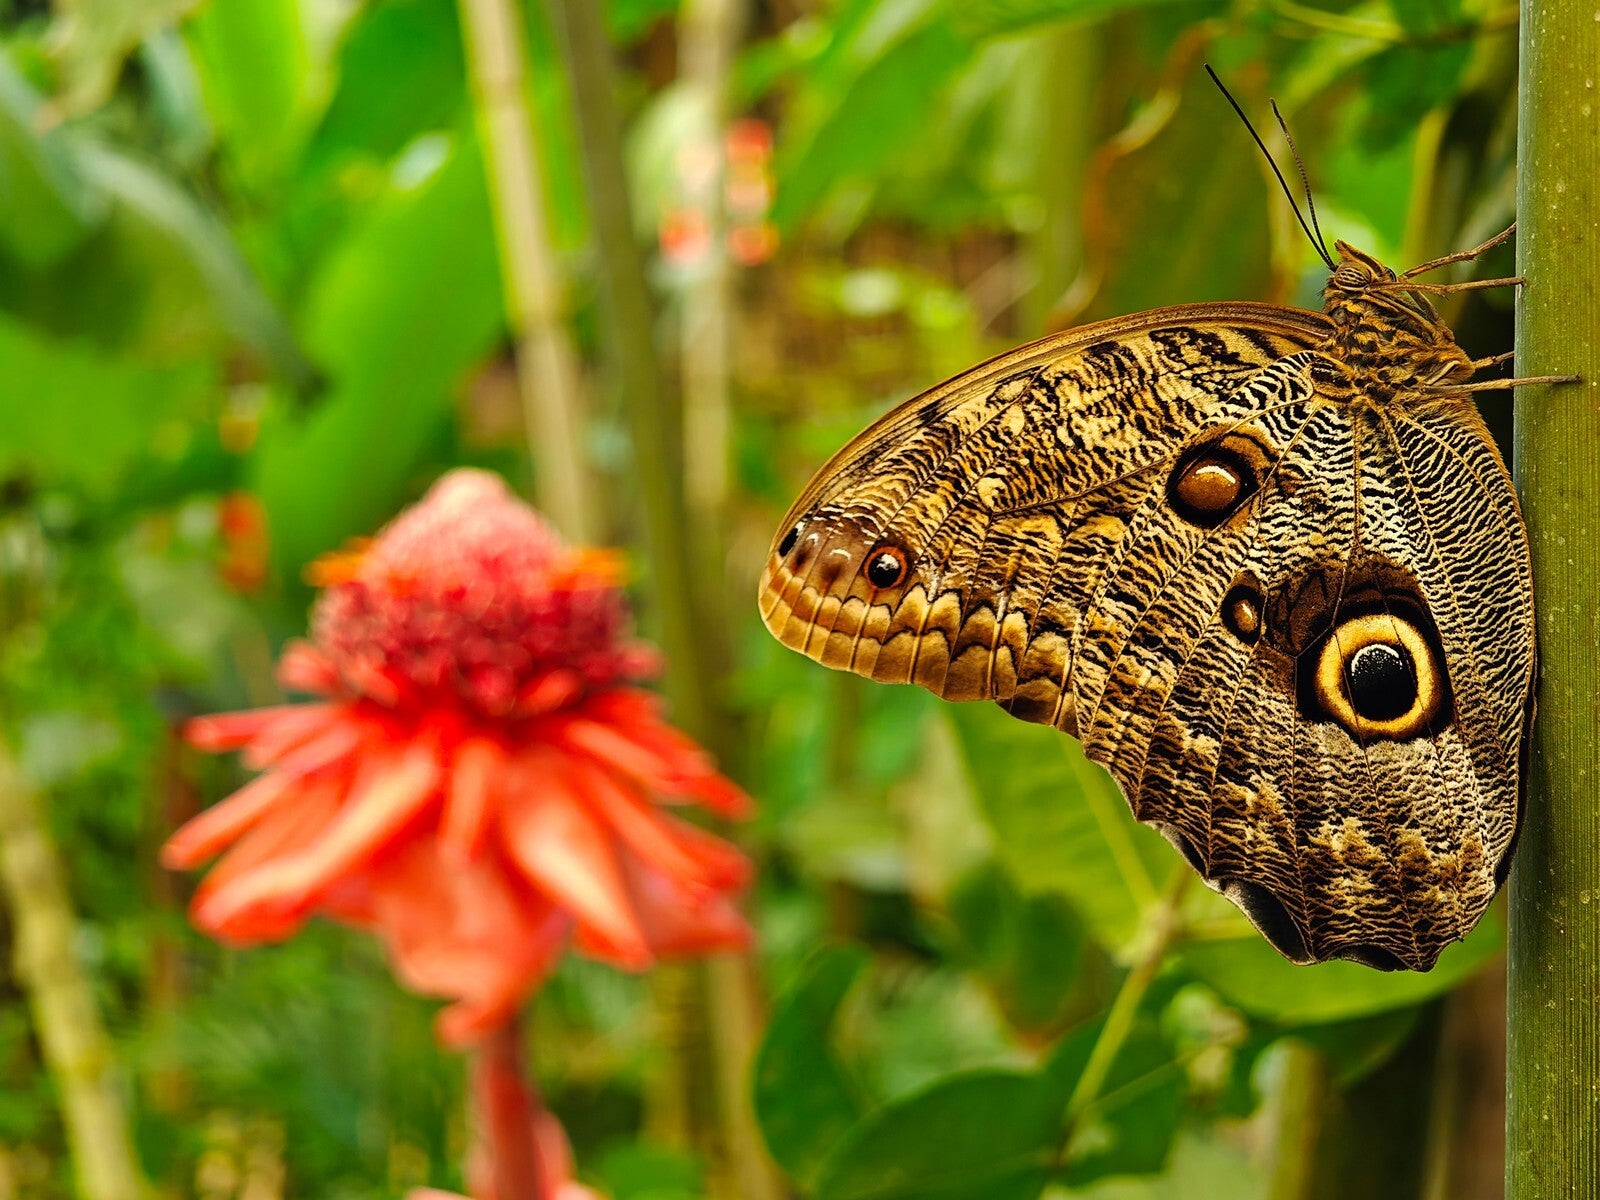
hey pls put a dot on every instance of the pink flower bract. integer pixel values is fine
(479, 779)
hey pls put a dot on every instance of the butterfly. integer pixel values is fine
(1266, 564)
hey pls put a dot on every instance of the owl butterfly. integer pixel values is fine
(1266, 564)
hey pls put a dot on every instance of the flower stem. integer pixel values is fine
(547, 363)
(71, 1034)
(507, 1104)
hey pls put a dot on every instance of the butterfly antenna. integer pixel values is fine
(1300, 165)
(1271, 162)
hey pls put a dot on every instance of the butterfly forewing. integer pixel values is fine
(1004, 492)
(1291, 618)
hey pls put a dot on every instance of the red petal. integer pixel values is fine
(339, 740)
(552, 690)
(302, 668)
(229, 731)
(721, 795)
(469, 933)
(224, 823)
(658, 756)
(474, 776)
(394, 792)
(609, 746)
(670, 846)
(566, 854)
(293, 823)
(679, 922)
(290, 733)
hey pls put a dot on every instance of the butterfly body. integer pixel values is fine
(1265, 563)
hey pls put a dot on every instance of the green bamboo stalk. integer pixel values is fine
(628, 343)
(547, 363)
(71, 1034)
(687, 599)
(1553, 1104)
(708, 37)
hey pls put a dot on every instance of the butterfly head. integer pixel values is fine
(1388, 332)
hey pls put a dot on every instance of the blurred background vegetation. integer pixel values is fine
(252, 301)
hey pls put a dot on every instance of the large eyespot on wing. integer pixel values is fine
(952, 543)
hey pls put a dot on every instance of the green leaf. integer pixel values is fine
(1060, 822)
(640, 1171)
(183, 240)
(855, 132)
(1028, 949)
(992, 18)
(1174, 166)
(401, 73)
(74, 415)
(804, 1098)
(1258, 980)
(1422, 17)
(49, 207)
(410, 301)
(1212, 1167)
(92, 38)
(1354, 1049)
(1404, 82)
(990, 1135)
(255, 66)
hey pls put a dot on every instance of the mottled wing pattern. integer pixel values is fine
(1171, 536)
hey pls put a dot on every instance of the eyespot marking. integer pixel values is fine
(1213, 479)
(789, 539)
(885, 566)
(1242, 612)
(803, 552)
(1380, 675)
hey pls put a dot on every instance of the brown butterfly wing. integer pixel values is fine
(1169, 535)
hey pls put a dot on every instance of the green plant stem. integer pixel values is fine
(1553, 1051)
(628, 343)
(684, 595)
(1162, 926)
(547, 363)
(1298, 1105)
(71, 1034)
(708, 37)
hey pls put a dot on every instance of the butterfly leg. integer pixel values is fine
(1483, 364)
(1404, 284)
(1433, 264)
(1491, 385)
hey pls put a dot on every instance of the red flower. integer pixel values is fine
(479, 779)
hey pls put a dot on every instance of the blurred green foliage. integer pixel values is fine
(246, 247)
